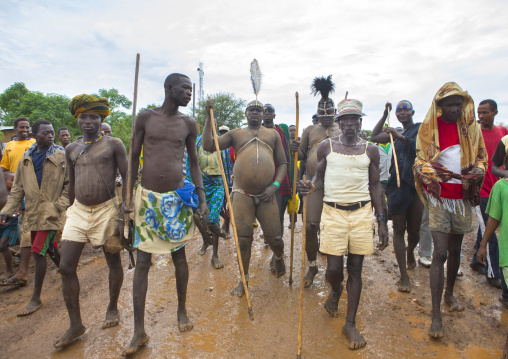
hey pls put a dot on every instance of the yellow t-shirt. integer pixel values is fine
(13, 153)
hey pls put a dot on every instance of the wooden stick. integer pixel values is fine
(300, 311)
(128, 198)
(393, 149)
(232, 216)
(293, 214)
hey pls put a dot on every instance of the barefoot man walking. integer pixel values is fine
(165, 201)
(348, 170)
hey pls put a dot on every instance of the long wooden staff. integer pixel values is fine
(128, 198)
(232, 216)
(300, 311)
(295, 173)
(393, 149)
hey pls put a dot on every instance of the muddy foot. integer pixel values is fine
(112, 319)
(453, 305)
(309, 277)
(356, 341)
(404, 285)
(184, 324)
(277, 266)
(216, 263)
(203, 249)
(226, 232)
(136, 342)
(31, 307)
(332, 303)
(411, 261)
(238, 291)
(69, 336)
(436, 328)
(7, 276)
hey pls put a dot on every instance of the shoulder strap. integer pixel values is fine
(331, 148)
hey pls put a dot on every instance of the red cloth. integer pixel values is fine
(285, 186)
(43, 242)
(491, 139)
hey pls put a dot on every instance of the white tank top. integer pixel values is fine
(347, 177)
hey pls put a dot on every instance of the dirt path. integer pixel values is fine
(394, 324)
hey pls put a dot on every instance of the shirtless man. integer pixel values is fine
(254, 190)
(307, 151)
(165, 201)
(94, 215)
(106, 129)
(348, 170)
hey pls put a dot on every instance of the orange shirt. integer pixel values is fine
(14, 151)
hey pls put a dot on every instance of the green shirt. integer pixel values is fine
(497, 206)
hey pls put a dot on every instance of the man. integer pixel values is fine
(94, 215)
(311, 139)
(348, 171)
(165, 201)
(106, 129)
(448, 172)
(14, 151)
(284, 193)
(260, 159)
(487, 111)
(64, 136)
(43, 180)
(405, 206)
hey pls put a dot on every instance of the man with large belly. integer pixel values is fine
(253, 187)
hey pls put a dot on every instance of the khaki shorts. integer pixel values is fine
(97, 225)
(441, 220)
(346, 231)
(25, 239)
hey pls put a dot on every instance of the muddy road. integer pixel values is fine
(394, 324)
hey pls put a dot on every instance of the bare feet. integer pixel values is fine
(203, 249)
(112, 319)
(453, 305)
(216, 263)
(31, 307)
(309, 277)
(356, 341)
(436, 328)
(7, 276)
(226, 232)
(410, 261)
(277, 266)
(137, 341)
(184, 324)
(69, 336)
(238, 291)
(332, 303)
(404, 285)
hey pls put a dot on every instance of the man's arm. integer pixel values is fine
(139, 135)
(16, 196)
(72, 177)
(306, 188)
(282, 168)
(376, 193)
(3, 191)
(121, 162)
(63, 200)
(377, 134)
(490, 228)
(195, 171)
(498, 161)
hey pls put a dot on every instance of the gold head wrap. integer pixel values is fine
(472, 148)
(254, 103)
(90, 104)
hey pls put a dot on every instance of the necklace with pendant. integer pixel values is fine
(93, 141)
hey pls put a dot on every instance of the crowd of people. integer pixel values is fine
(430, 179)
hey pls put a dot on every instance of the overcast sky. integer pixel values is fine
(377, 50)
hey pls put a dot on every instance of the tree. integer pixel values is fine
(228, 110)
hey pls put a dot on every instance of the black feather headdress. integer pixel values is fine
(322, 85)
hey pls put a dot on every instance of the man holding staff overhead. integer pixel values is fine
(165, 201)
(405, 206)
(254, 189)
(348, 170)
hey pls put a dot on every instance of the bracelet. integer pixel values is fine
(276, 184)
(380, 217)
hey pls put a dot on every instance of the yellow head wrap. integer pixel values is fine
(91, 104)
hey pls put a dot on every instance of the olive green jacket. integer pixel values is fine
(44, 207)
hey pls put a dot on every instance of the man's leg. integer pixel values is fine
(182, 278)
(354, 290)
(4, 247)
(115, 284)
(265, 212)
(335, 275)
(437, 280)
(314, 209)
(40, 273)
(413, 225)
(452, 268)
(70, 253)
(216, 263)
(399, 246)
(139, 288)
(281, 204)
(425, 250)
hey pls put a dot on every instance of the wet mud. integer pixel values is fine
(394, 324)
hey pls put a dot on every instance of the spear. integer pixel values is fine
(232, 216)
(302, 279)
(295, 172)
(393, 149)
